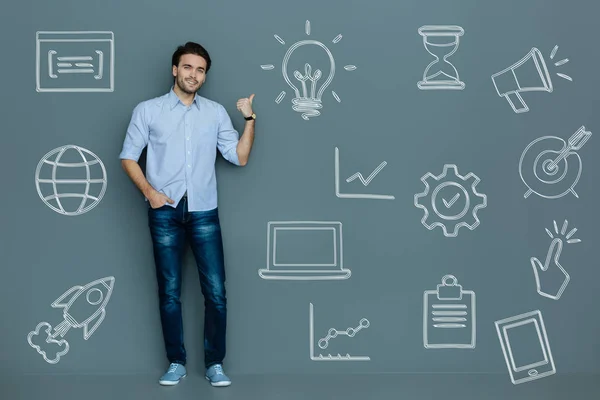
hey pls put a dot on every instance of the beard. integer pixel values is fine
(187, 87)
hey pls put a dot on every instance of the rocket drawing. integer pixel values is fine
(84, 306)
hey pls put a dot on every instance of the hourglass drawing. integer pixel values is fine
(441, 41)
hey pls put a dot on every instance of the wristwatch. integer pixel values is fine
(253, 116)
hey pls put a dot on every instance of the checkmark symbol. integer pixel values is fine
(448, 204)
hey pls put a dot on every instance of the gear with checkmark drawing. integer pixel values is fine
(454, 201)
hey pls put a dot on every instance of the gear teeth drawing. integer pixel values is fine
(475, 201)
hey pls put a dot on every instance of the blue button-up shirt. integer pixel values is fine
(182, 146)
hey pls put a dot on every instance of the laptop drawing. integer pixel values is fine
(304, 250)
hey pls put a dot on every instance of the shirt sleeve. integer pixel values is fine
(227, 138)
(137, 135)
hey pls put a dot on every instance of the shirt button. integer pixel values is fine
(188, 152)
(189, 166)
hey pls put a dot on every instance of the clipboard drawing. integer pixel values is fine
(449, 316)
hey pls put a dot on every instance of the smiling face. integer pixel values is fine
(190, 74)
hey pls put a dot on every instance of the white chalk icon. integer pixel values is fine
(441, 41)
(79, 311)
(542, 270)
(312, 250)
(449, 316)
(544, 165)
(529, 74)
(513, 332)
(332, 333)
(85, 161)
(75, 61)
(454, 200)
(358, 175)
(368, 180)
(308, 99)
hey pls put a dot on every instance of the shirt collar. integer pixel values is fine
(174, 99)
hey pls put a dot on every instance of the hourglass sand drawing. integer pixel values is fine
(441, 41)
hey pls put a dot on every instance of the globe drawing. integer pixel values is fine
(70, 180)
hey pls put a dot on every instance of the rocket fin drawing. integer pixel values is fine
(88, 332)
(59, 303)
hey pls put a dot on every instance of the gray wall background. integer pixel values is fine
(382, 116)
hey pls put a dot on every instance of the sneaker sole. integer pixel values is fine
(217, 384)
(171, 383)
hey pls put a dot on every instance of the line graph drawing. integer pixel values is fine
(350, 332)
(364, 181)
(359, 176)
(332, 333)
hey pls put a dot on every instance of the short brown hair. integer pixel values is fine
(191, 48)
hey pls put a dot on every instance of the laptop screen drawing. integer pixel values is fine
(304, 250)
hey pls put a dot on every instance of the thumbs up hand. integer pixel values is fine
(553, 275)
(244, 105)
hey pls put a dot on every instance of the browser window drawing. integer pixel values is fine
(525, 346)
(75, 61)
(304, 250)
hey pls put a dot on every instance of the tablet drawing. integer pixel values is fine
(525, 347)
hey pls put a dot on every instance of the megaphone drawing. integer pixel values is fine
(529, 74)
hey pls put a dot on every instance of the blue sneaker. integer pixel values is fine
(173, 375)
(216, 376)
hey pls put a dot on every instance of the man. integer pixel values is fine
(183, 131)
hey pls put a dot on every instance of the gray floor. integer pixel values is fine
(312, 387)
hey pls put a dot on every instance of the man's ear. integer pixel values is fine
(174, 71)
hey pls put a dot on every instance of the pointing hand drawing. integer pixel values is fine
(553, 274)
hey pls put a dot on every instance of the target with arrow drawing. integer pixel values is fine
(551, 167)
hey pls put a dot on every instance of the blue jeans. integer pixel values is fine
(170, 229)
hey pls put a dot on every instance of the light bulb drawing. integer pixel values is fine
(310, 83)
